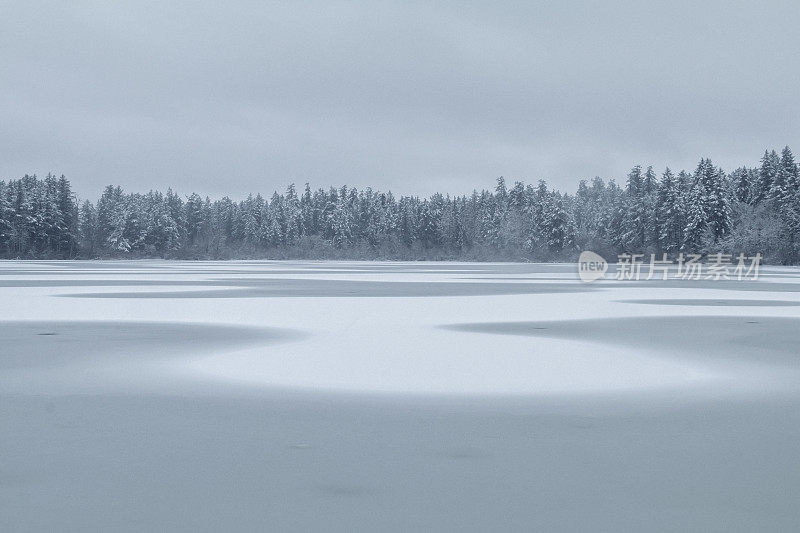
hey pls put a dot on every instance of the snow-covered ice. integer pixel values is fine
(142, 395)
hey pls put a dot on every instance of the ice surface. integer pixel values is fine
(248, 395)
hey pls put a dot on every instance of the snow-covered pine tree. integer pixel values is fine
(68, 209)
(5, 217)
(195, 221)
(112, 216)
(635, 218)
(538, 205)
(715, 201)
(671, 219)
(292, 214)
(614, 211)
(650, 199)
(265, 228)
(742, 183)
(556, 225)
(307, 216)
(695, 227)
(766, 176)
(785, 185)
(177, 213)
(786, 197)
(342, 220)
(87, 228)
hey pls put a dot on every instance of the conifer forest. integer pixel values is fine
(749, 210)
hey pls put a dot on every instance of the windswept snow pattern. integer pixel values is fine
(252, 395)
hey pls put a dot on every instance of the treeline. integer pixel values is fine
(749, 210)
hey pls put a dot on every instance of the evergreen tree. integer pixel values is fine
(636, 216)
(715, 202)
(67, 206)
(766, 176)
(671, 217)
(88, 228)
(743, 183)
(5, 218)
(695, 228)
(556, 227)
(784, 187)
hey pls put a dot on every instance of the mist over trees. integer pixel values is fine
(749, 210)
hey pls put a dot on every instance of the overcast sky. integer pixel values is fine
(228, 98)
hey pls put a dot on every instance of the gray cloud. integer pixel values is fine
(228, 98)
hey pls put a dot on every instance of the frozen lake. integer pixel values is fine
(339, 396)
